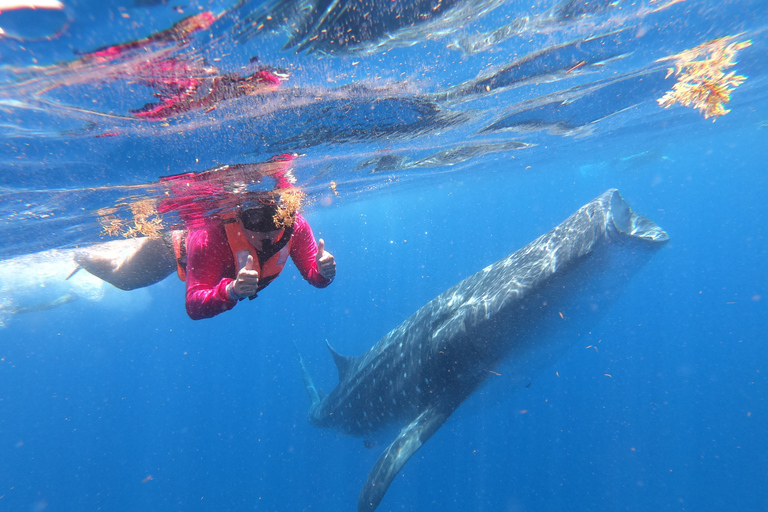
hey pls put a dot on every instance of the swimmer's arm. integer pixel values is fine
(208, 262)
(304, 252)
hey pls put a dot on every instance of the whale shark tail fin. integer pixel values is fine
(315, 396)
(628, 222)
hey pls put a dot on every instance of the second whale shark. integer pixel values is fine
(520, 310)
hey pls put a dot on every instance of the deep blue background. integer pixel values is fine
(95, 398)
(125, 404)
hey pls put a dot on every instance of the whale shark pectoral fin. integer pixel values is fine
(315, 396)
(410, 439)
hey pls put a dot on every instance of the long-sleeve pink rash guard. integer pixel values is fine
(211, 266)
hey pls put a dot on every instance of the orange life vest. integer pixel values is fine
(268, 262)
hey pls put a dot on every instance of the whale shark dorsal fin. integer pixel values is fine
(343, 363)
(410, 439)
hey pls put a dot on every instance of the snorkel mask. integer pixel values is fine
(260, 218)
(271, 215)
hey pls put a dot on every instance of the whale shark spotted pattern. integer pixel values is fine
(522, 309)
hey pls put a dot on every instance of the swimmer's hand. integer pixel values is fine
(326, 263)
(246, 283)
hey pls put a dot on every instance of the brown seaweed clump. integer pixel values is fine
(146, 220)
(290, 203)
(111, 225)
(702, 81)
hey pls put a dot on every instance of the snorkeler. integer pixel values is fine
(228, 260)
(206, 259)
(223, 257)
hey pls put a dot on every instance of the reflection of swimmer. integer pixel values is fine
(120, 60)
(182, 83)
(179, 34)
(179, 95)
(179, 76)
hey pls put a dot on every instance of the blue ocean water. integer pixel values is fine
(118, 401)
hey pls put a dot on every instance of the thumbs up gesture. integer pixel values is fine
(326, 263)
(246, 283)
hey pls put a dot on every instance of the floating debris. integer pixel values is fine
(290, 203)
(111, 225)
(702, 82)
(146, 220)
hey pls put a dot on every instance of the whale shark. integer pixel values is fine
(515, 316)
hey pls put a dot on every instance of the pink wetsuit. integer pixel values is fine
(211, 267)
